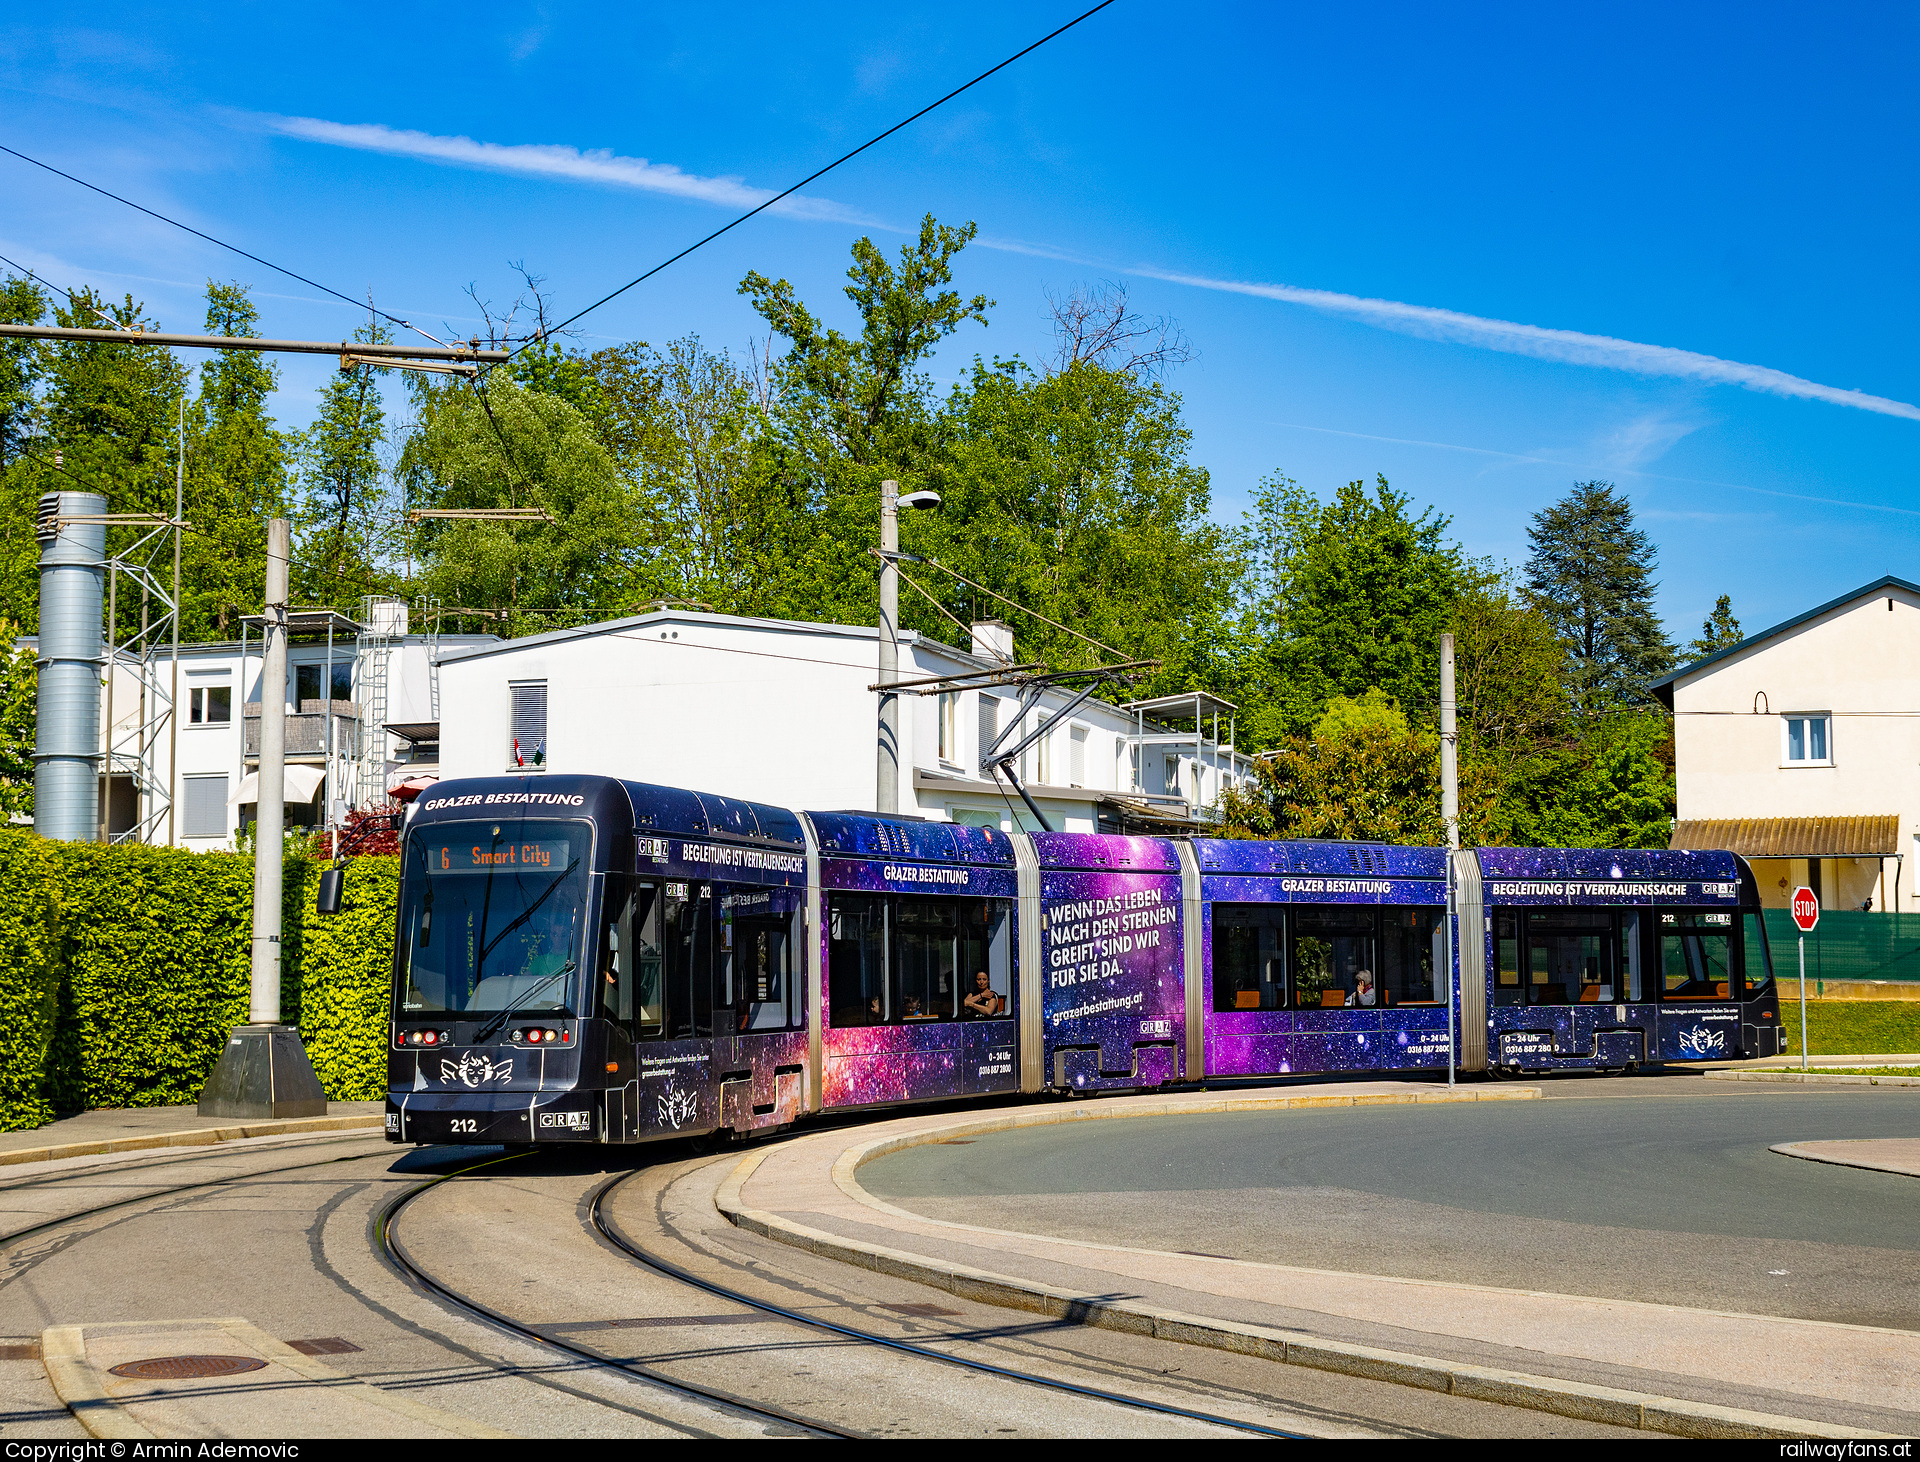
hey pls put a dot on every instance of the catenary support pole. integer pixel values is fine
(886, 762)
(173, 692)
(1449, 748)
(1803, 1002)
(1449, 815)
(1447, 916)
(263, 1070)
(271, 810)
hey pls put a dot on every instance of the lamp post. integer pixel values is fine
(886, 762)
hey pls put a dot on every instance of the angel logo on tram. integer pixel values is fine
(584, 959)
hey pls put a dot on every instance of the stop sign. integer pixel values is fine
(1806, 909)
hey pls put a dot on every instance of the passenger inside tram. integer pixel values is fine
(982, 1003)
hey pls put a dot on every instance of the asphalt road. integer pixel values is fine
(1658, 1189)
(284, 1240)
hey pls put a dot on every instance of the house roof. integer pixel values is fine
(1793, 837)
(1663, 687)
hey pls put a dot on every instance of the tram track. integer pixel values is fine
(186, 1191)
(610, 1231)
(410, 1269)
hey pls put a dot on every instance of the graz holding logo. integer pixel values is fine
(570, 1121)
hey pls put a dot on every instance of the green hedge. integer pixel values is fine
(127, 966)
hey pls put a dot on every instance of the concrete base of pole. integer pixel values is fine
(263, 1072)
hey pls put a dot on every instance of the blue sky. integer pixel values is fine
(1487, 253)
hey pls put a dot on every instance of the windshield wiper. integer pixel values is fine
(487, 1031)
(488, 946)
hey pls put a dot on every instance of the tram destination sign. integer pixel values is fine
(1616, 891)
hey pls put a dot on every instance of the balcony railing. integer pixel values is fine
(307, 730)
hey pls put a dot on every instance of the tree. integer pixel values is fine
(1719, 631)
(688, 429)
(1343, 597)
(862, 387)
(1096, 325)
(237, 463)
(21, 363)
(1591, 573)
(494, 445)
(347, 532)
(1072, 494)
(1364, 773)
(19, 680)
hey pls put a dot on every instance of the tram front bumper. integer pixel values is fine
(419, 1118)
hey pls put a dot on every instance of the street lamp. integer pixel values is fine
(886, 765)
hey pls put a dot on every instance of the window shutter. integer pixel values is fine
(527, 720)
(989, 724)
(204, 806)
(1077, 758)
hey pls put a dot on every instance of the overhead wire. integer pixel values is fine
(819, 173)
(221, 243)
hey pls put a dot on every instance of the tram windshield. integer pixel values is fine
(492, 915)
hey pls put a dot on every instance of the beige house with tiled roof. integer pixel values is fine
(1799, 748)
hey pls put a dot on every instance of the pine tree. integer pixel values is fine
(1591, 573)
(1719, 631)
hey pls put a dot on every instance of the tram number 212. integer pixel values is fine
(466, 1124)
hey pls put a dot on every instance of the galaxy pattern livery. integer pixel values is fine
(666, 963)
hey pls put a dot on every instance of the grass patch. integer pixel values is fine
(1913, 1071)
(1853, 1027)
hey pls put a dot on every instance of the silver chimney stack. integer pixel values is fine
(66, 748)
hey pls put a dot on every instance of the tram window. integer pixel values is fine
(986, 947)
(1696, 960)
(758, 957)
(1249, 965)
(902, 960)
(1756, 965)
(857, 958)
(1507, 989)
(631, 972)
(1332, 946)
(1629, 959)
(687, 941)
(492, 917)
(926, 979)
(1569, 956)
(1412, 949)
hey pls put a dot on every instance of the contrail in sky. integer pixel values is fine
(1570, 347)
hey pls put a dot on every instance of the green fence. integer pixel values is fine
(1848, 945)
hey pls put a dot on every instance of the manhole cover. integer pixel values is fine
(186, 1367)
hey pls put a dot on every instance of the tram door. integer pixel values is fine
(1575, 971)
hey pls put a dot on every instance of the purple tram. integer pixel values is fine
(582, 959)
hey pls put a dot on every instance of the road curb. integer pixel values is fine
(1830, 1078)
(1803, 1151)
(1639, 1410)
(195, 1137)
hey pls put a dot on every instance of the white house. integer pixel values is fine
(384, 682)
(1799, 748)
(785, 712)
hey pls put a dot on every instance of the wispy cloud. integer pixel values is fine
(1564, 462)
(1570, 347)
(553, 160)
